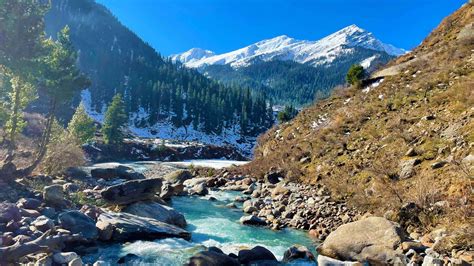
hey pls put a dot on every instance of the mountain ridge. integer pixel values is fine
(285, 48)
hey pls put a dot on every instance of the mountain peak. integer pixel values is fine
(191, 55)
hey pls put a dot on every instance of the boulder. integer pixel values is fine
(252, 220)
(64, 257)
(298, 252)
(374, 240)
(199, 189)
(109, 171)
(92, 211)
(178, 177)
(255, 254)
(407, 168)
(212, 258)
(132, 191)
(75, 262)
(9, 212)
(43, 223)
(122, 227)
(158, 212)
(78, 223)
(28, 203)
(327, 261)
(273, 177)
(167, 191)
(54, 196)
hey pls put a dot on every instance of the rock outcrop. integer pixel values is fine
(132, 191)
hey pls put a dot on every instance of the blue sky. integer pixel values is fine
(174, 26)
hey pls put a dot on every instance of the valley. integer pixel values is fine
(341, 151)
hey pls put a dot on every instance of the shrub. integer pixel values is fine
(287, 114)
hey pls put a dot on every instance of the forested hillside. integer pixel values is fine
(154, 89)
(289, 82)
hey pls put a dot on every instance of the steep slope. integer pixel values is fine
(163, 99)
(294, 71)
(406, 139)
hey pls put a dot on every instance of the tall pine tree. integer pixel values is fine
(115, 119)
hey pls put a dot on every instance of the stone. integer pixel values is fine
(199, 189)
(416, 246)
(273, 177)
(250, 209)
(429, 260)
(407, 168)
(29, 213)
(28, 203)
(76, 262)
(298, 252)
(158, 212)
(373, 239)
(54, 196)
(327, 261)
(122, 227)
(78, 223)
(438, 164)
(411, 152)
(48, 212)
(71, 187)
(255, 254)
(132, 191)
(100, 263)
(280, 190)
(178, 177)
(167, 191)
(108, 171)
(212, 258)
(9, 212)
(64, 257)
(92, 211)
(252, 220)
(43, 224)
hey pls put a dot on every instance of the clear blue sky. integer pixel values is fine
(174, 26)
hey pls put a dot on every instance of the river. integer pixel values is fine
(211, 224)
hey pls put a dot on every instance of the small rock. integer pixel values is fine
(43, 224)
(252, 220)
(76, 262)
(9, 212)
(439, 164)
(432, 261)
(298, 252)
(28, 203)
(128, 259)
(64, 257)
(54, 196)
(78, 223)
(255, 254)
(412, 245)
(250, 209)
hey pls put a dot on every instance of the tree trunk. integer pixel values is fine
(44, 243)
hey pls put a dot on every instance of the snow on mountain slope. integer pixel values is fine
(192, 55)
(165, 130)
(319, 52)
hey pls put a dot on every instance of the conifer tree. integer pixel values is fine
(81, 125)
(115, 119)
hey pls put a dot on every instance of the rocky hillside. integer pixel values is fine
(401, 146)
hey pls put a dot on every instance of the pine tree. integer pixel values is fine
(81, 125)
(115, 120)
(355, 75)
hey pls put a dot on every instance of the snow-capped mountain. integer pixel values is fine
(192, 55)
(284, 48)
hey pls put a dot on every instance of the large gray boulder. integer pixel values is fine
(78, 223)
(122, 227)
(109, 171)
(178, 177)
(374, 240)
(158, 212)
(54, 195)
(212, 258)
(132, 191)
(9, 212)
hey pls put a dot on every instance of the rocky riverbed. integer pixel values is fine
(118, 209)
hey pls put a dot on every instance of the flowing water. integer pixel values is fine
(211, 224)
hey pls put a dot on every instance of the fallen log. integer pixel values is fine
(45, 243)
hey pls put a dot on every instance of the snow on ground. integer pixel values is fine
(368, 61)
(216, 164)
(166, 131)
(372, 86)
